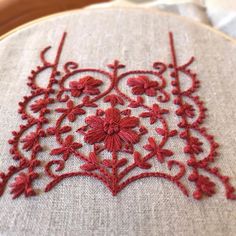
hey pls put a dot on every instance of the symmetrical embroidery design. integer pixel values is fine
(115, 125)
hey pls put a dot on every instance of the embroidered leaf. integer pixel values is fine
(114, 100)
(88, 167)
(140, 162)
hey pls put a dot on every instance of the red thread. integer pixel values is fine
(203, 185)
(112, 130)
(115, 130)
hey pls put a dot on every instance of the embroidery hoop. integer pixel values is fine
(44, 18)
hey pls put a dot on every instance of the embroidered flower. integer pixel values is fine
(71, 111)
(67, 148)
(22, 184)
(187, 110)
(194, 146)
(31, 140)
(160, 152)
(112, 130)
(141, 84)
(87, 85)
(155, 114)
(204, 185)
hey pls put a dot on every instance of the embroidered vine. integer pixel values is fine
(114, 123)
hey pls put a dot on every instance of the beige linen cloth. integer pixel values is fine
(151, 206)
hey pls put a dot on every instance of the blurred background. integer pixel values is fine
(220, 14)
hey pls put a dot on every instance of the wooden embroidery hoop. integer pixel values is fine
(33, 22)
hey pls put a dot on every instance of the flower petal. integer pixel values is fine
(95, 136)
(79, 111)
(167, 152)
(94, 121)
(151, 92)
(92, 91)
(57, 151)
(112, 114)
(138, 90)
(71, 117)
(61, 110)
(76, 92)
(69, 140)
(113, 143)
(70, 104)
(73, 84)
(129, 122)
(129, 135)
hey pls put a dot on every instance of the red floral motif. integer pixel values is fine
(22, 185)
(114, 100)
(113, 130)
(86, 85)
(155, 114)
(67, 148)
(31, 140)
(142, 84)
(203, 184)
(159, 152)
(194, 146)
(187, 110)
(71, 111)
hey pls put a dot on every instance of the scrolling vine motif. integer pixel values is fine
(125, 129)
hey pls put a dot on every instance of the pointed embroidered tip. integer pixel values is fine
(116, 65)
(114, 192)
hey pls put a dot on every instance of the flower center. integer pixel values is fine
(110, 127)
(80, 86)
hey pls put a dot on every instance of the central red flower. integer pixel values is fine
(112, 130)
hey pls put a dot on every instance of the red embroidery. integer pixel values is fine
(85, 85)
(142, 84)
(119, 138)
(193, 145)
(112, 130)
